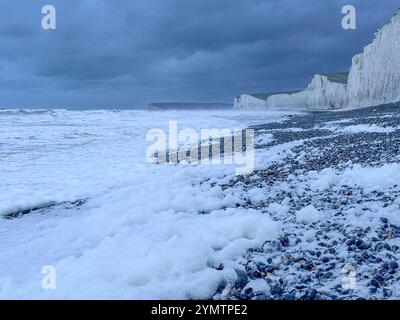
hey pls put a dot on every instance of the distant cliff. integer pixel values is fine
(374, 79)
(188, 106)
(326, 91)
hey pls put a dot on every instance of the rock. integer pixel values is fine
(289, 297)
(379, 279)
(382, 271)
(248, 291)
(270, 268)
(331, 250)
(241, 280)
(366, 255)
(385, 265)
(382, 246)
(387, 276)
(338, 288)
(359, 242)
(222, 285)
(276, 290)
(387, 293)
(261, 267)
(310, 295)
(373, 283)
(351, 242)
(285, 241)
(263, 297)
(309, 266)
(359, 259)
(325, 259)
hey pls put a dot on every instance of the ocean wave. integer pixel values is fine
(29, 112)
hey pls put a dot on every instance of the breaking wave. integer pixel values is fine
(29, 112)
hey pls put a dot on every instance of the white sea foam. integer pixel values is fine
(140, 234)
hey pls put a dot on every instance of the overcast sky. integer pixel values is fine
(127, 53)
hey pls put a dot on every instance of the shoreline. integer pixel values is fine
(336, 225)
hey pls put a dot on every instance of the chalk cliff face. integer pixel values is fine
(374, 79)
(249, 102)
(322, 93)
(375, 74)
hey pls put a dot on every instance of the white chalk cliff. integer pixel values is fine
(324, 92)
(374, 79)
(375, 74)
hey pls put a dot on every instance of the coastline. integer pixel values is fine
(336, 197)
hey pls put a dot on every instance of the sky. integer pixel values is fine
(128, 53)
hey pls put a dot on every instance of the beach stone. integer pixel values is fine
(276, 290)
(241, 280)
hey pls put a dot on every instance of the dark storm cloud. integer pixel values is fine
(126, 53)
